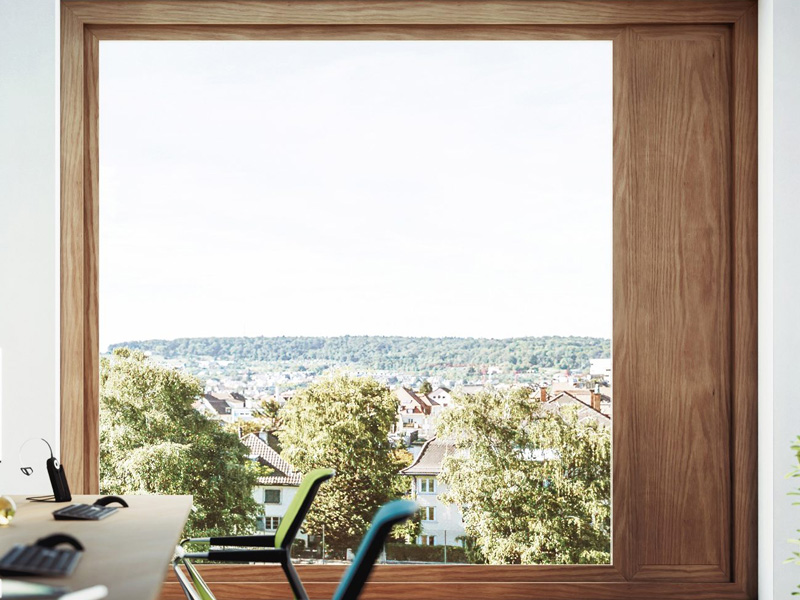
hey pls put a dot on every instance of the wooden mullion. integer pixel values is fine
(402, 590)
(352, 32)
(407, 12)
(91, 344)
(72, 250)
(744, 432)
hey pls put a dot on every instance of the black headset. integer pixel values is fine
(55, 471)
(29, 470)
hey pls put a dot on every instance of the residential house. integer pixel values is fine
(591, 405)
(599, 398)
(225, 406)
(418, 412)
(274, 492)
(601, 367)
(442, 396)
(441, 522)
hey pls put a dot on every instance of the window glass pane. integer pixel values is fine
(272, 496)
(389, 258)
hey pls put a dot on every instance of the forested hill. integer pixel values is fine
(390, 353)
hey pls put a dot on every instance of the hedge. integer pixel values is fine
(418, 553)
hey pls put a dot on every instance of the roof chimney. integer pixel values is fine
(596, 397)
(543, 393)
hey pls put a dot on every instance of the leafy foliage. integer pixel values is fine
(796, 473)
(343, 422)
(420, 553)
(534, 484)
(153, 441)
(392, 353)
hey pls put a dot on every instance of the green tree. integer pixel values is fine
(534, 483)
(153, 441)
(795, 473)
(425, 387)
(343, 422)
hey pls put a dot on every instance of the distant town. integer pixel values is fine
(238, 383)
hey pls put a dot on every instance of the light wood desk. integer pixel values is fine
(128, 552)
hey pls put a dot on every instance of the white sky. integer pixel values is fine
(331, 188)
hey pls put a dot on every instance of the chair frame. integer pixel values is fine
(352, 581)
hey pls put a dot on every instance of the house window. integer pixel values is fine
(428, 513)
(272, 496)
(427, 540)
(272, 523)
(427, 485)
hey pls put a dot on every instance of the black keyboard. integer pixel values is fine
(39, 560)
(84, 512)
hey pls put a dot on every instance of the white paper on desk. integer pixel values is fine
(92, 593)
(20, 590)
(11, 588)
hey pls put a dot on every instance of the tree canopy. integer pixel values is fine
(795, 558)
(153, 441)
(534, 484)
(343, 422)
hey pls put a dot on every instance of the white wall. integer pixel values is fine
(29, 260)
(275, 510)
(779, 289)
(448, 516)
(28, 236)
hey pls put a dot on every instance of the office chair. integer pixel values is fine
(349, 587)
(281, 542)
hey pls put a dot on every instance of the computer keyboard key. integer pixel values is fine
(84, 512)
(39, 560)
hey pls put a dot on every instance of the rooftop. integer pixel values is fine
(429, 460)
(260, 450)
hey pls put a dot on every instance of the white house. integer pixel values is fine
(225, 406)
(601, 367)
(592, 406)
(273, 492)
(417, 412)
(442, 396)
(441, 522)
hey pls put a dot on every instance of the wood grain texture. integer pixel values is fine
(623, 523)
(403, 590)
(353, 32)
(745, 301)
(127, 552)
(417, 572)
(673, 572)
(406, 12)
(73, 285)
(91, 236)
(672, 304)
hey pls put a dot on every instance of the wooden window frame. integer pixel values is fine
(84, 23)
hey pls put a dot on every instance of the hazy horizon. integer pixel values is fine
(320, 189)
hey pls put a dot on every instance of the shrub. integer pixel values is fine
(418, 553)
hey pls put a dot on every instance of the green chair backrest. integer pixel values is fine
(387, 517)
(298, 508)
